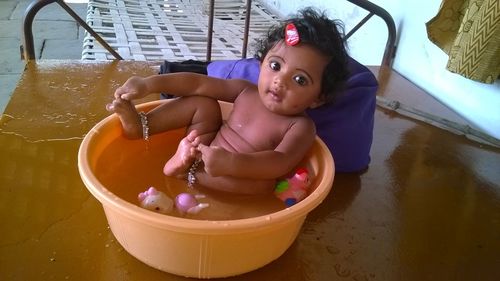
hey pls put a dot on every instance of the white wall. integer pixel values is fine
(417, 58)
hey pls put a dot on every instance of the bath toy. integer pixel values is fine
(155, 200)
(293, 189)
(188, 203)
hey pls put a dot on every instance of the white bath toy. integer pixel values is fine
(155, 200)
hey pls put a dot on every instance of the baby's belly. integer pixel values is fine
(230, 140)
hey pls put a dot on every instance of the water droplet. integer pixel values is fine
(342, 272)
(332, 250)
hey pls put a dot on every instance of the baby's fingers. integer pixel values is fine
(202, 148)
(193, 152)
(119, 92)
(123, 93)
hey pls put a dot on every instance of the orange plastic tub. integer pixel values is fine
(192, 247)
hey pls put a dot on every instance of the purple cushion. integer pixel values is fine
(247, 69)
(346, 126)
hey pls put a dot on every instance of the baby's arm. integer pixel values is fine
(181, 84)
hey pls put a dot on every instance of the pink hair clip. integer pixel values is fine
(291, 35)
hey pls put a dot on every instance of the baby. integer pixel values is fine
(267, 133)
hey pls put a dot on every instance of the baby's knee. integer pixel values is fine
(208, 104)
(208, 109)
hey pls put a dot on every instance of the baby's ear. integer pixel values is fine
(317, 103)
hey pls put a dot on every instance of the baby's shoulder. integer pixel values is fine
(303, 123)
(248, 94)
(251, 91)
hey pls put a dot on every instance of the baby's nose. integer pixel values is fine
(279, 81)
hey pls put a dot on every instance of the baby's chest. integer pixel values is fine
(262, 132)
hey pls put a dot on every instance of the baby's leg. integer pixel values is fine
(201, 116)
(131, 122)
(184, 156)
(193, 113)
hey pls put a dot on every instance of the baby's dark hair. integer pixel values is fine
(326, 35)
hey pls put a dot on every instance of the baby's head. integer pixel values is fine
(317, 30)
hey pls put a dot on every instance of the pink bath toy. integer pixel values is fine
(294, 189)
(155, 200)
(188, 203)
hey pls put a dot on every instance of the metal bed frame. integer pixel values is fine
(28, 50)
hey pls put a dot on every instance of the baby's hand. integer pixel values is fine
(134, 88)
(215, 160)
(119, 105)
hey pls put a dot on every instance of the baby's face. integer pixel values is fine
(290, 78)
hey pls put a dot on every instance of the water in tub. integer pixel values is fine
(128, 167)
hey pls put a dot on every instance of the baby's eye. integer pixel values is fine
(275, 65)
(301, 80)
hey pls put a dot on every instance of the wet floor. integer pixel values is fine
(427, 208)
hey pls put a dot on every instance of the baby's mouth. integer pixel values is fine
(275, 95)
